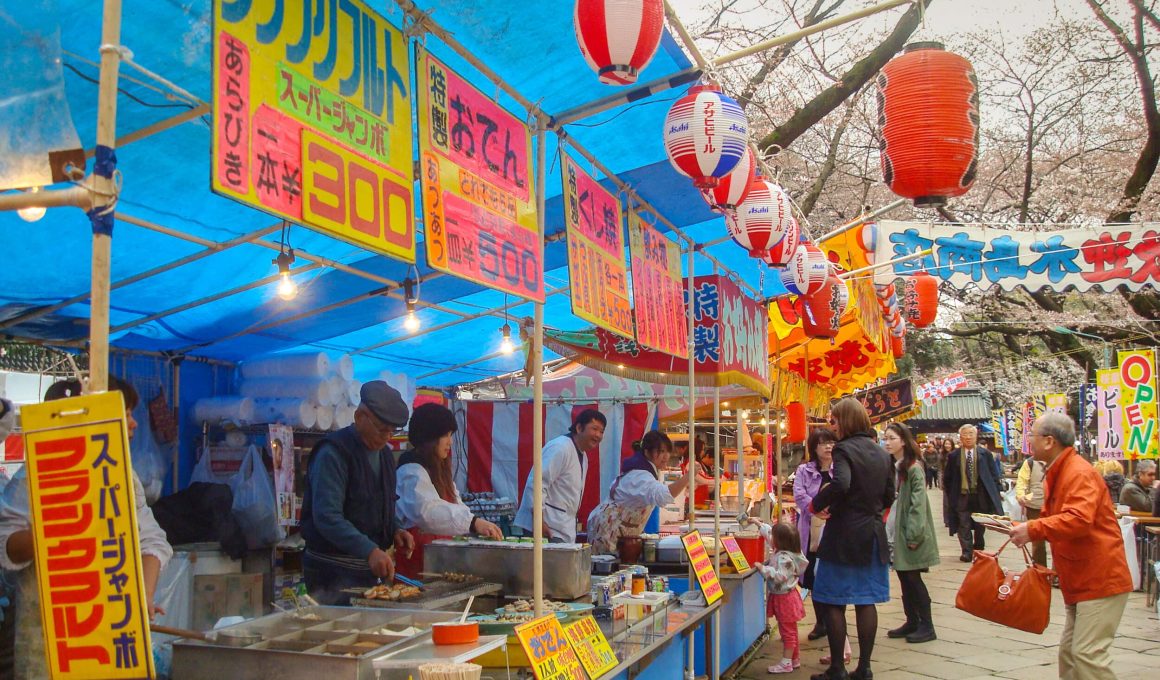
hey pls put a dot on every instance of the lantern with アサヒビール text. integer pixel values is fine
(761, 221)
(732, 189)
(783, 250)
(806, 270)
(796, 428)
(928, 119)
(920, 299)
(618, 37)
(706, 135)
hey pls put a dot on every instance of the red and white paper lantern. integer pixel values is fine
(706, 135)
(783, 250)
(761, 221)
(732, 189)
(806, 271)
(619, 37)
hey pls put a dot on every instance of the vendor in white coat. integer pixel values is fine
(565, 466)
(429, 506)
(635, 493)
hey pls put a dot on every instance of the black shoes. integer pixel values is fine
(816, 634)
(924, 632)
(862, 674)
(830, 674)
(966, 558)
(903, 630)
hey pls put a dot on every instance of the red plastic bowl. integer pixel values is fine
(455, 633)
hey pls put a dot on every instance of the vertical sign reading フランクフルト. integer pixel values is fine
(88, 564)
(658, 290)
(1138, 402)
(479, 198)
(312, 118)
(596, 269)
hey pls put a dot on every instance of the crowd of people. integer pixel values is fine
(863, 509)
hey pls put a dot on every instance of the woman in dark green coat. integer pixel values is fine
(915, 545)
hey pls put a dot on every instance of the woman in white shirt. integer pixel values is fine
(429, 506)
(634, 494)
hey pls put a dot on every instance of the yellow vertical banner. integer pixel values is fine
(1138, 403)
(88, 562)
(1056, 402)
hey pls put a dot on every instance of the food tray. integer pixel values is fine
(332, 642)
(571, 611)
(435, 594)
(488, 625)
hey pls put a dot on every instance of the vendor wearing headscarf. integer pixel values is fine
(348, 510)
(635, 493)
(429, 506)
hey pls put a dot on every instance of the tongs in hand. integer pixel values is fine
(409, 581)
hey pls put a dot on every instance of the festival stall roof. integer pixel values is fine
(178, 247)
(963, 407)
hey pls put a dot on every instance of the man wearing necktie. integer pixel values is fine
(971, 483)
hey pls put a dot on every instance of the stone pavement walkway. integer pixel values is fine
(967, 647)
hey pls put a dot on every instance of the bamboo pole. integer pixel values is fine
(104, 189)
(888, 263)
(538, 400)
(862, 219)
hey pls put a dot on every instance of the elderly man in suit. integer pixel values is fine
(971, 484)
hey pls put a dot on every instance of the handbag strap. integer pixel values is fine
(1026, 552)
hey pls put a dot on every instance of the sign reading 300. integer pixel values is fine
(312, 118)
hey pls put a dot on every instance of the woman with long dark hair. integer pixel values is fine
(853, 555)
(915, 545)
(429, 505)
(808, 479)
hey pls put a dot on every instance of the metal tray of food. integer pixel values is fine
(567, 566)
(436, 593)
(337, 643)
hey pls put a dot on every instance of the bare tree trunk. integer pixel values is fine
(831, 162)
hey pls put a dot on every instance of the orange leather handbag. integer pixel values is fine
(1017, 600)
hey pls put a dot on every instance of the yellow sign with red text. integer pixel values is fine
(84, 523)
(548, 650)
(312, 119)
(702, 566)
(735, 555)
(591, 647)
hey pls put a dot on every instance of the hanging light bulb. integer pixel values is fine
(287, 289)
(506, 345)
(32, 214)
(411, 323)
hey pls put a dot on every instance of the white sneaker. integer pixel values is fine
(783, 666)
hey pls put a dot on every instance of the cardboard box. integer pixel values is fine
(218, 595)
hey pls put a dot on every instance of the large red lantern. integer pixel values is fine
(824, 308)
(762, 220)
(795, 423)
(732, 189)
(779, 254)
(618, 37)
(706, 135)
(920, 300)
(928, 116)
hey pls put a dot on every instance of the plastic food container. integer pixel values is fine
(455, 633)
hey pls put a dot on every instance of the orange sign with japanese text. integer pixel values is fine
(88, 563)
(591, 647)
(658, 289)
(312, 118)
(548, 649)
(702, 566)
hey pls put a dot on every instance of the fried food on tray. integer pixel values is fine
(455, 577)
(520, 606)
(397, 591)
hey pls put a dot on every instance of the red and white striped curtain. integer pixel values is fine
(492, 450)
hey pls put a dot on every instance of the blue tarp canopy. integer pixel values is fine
(166, 182)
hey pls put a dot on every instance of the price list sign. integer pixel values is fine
(740, 563)
(591, 647)
(657, 289)
(702, 566)
(596, 267)
(312, 118)
(478, 193)
(548, 650)
(88, 562)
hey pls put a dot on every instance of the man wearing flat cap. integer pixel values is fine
(348, 511)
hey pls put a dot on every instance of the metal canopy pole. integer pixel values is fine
(717, 523)
(538, 395)
(104, 197)
(691, 484)
(856, 222)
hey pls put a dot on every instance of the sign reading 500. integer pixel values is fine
(312, 118)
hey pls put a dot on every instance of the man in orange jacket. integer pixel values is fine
(1087, 549)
